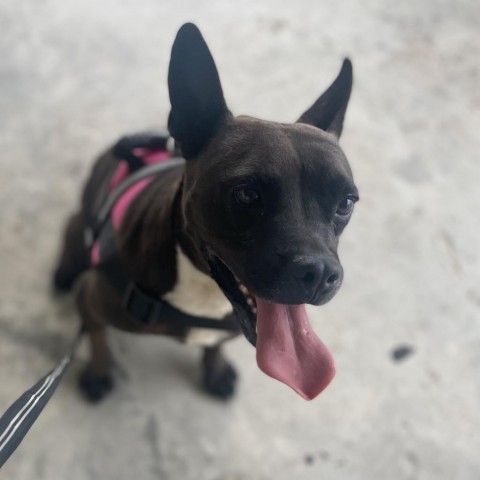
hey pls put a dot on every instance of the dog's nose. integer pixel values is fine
(317, 276)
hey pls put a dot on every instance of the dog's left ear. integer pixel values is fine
(198, 106)
(328, 111)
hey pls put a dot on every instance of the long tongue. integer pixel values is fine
(290, 351)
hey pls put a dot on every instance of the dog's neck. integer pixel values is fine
(187, 239)
(195, 292)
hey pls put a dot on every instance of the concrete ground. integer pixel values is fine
(76, 75)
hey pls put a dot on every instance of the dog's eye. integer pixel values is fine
(246, 196)
(345, 207)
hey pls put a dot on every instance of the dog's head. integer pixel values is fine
(268, 201)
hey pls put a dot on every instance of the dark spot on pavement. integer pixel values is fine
(402, 352)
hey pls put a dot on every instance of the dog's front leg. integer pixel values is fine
(219, 376)
(96, 380)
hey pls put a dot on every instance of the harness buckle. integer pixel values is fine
(142, 306)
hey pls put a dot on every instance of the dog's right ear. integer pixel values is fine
(198, 107)
(328, 111)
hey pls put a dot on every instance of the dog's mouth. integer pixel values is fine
(243, 302)
(287, 347)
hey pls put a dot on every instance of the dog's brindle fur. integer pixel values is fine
(283, 250)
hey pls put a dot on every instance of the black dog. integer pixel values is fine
(257, 206)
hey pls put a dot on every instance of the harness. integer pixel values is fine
(140, 160)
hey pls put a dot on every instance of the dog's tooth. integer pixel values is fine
(250, 301)
(254, 310)
(243, 289)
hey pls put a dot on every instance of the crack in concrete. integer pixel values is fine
(152, 437)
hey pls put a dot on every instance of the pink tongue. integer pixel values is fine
(290, 351)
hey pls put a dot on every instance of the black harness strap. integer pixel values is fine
(152, 311)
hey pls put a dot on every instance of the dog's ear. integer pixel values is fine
(198, 107)
(328, 111)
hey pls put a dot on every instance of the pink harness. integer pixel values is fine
(119, 209)
(141, 159)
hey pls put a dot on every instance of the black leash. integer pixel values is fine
(21, 415)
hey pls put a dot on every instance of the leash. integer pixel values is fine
(21, 415)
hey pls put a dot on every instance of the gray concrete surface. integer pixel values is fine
(75, 75)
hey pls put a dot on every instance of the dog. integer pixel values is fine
(243, 232)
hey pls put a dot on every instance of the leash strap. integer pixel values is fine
(21, 415)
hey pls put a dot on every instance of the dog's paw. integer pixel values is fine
(62, 282)
(95, 387)
(220, 382)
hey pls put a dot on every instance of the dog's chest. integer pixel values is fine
(197, 294)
